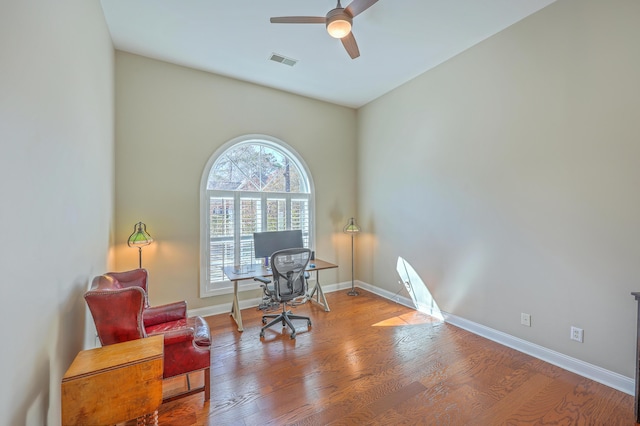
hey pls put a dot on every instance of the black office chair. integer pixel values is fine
(288, 284)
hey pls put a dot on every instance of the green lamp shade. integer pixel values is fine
(140, 236)
(351, 227)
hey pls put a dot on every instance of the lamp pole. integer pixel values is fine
(352, 228)
(140, 257)
(353, 291)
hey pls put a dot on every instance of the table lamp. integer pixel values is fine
(139, 238)
(352, 228)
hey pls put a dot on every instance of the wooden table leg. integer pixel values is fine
(235, 307)
(148, 419)
(317, 290)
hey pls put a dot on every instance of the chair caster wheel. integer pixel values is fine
(293, 336)
(309, 324)
(262, 334)
(264, 320)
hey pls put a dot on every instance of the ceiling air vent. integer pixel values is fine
(282, 59)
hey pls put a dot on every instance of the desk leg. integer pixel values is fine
(317, 290)
(235, 307)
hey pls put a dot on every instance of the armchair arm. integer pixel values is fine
(178, 336)
(268, 290)
(262, 280)
(164, 313)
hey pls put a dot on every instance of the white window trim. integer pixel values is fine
(226, 287)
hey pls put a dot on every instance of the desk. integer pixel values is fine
(238, 273)
(114, 383)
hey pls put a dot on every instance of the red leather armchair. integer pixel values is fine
(119, 305)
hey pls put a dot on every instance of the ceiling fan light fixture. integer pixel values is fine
(338, 23)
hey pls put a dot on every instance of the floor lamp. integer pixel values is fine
(139, 238)
(352, 228)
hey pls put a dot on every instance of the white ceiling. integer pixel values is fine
(398, 40)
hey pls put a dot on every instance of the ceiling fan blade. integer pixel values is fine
(358, 6)
(349, 43)
(298, 20)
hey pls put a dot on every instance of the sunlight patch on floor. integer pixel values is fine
(410, 318)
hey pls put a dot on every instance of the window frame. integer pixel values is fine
(226, 286)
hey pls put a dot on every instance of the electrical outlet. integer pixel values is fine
(577, 334)
(525, 319)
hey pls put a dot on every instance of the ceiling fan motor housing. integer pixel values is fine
(338, 22)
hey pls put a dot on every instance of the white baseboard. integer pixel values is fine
(585, 369)
(609, 378)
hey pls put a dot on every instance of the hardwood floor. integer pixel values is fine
(372, 361)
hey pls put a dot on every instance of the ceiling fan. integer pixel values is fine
(338, 22)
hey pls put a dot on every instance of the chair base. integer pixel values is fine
(285, 317)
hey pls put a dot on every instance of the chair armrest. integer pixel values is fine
(262, 280)
(164, 313)
(177, 336)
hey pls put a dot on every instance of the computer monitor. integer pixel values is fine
(267, 243)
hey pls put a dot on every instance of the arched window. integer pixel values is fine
(254, 183)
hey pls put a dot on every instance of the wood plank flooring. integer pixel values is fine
(371, 361)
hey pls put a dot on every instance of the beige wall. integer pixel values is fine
(170, 120)
(515, 164)
(508, 178)
(56, 180)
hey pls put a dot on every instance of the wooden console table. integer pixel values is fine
(114, 383)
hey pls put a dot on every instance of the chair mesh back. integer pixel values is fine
(288, 272)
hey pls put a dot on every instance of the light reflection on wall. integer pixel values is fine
(420, 294)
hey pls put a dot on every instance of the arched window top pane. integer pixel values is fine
(257, 166)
